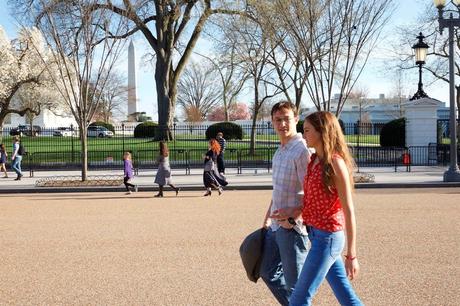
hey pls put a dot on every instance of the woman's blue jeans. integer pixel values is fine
(16, 164)
(324, 260)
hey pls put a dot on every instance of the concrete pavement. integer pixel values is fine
(113, 249)
(248, 180)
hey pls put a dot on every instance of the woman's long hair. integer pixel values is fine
(164, 149)
(333, 142)
(215, 146)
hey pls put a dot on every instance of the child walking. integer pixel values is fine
(328, 212)
(164, 176)
(3, 159)
(128, 172)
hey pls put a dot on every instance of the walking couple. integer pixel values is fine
(324, 213)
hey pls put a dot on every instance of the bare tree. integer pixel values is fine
(231, 76)
(287, 56)
(254, 49)
(80, 52)
(113, 97)
(172, 29)
(336, 38)
(437, 62)
(198, 90)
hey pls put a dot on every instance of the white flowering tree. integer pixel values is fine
(25, 83)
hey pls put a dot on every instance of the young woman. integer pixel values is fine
(211, 179)
(3, 159)
(128, 172)
(328, 213)
(163, 176)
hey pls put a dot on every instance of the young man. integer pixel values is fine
(285, 245)
(16, 158)
(220, 158)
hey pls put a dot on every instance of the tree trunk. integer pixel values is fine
(84, 152)
(458, 111)
(164, 100)
(252, 145)
(2, 119)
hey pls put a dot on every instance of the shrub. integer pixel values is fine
(299, 126)
(104, 124)
(230, 130)
(393, 134)
(146, 129)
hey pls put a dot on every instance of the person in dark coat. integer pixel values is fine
(211, 178)
(220, 158)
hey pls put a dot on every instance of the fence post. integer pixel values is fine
(73, 148)
(31, 170)
(187, 163)
(123, 136)
(238, 158)
(174, 135)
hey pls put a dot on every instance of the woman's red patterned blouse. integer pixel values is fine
(321, 209)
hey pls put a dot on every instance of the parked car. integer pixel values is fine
(22, 130)
(99, 131)
(64, 132)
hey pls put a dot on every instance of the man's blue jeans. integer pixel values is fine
(324, 260)
(16, 165)
(284, 254)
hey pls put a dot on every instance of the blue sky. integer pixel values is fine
(375, 79)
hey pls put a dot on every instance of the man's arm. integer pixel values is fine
(15, 152)
(301, 166)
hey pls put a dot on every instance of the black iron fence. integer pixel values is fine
(184, 136)
(242, 159)
(60, 148)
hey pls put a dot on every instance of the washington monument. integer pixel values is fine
(132, 86)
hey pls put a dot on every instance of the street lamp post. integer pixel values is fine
(420, 56)
(453, 173)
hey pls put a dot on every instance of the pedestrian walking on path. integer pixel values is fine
(16, 157)
(328, 212)
(285, 243)
(220, 157)
(164, 176)
(211, 178)
(128, 172)
(3, 159)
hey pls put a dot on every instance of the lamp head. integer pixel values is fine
(440, 4)
(421, 49)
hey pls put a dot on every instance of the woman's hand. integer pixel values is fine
(286, 212)
(351, 267)
(267, 223)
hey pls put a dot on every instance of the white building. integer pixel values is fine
(373, 110)
(46, 119)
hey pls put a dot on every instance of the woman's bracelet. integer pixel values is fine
(351, 258)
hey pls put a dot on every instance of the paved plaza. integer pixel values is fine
(113, 249)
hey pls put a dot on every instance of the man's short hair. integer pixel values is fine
(284, 105)
(220, 134)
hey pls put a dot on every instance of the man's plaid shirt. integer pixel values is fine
(289, 168)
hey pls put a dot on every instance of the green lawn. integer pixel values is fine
(51, 144)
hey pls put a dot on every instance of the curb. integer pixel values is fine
(32, 190)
